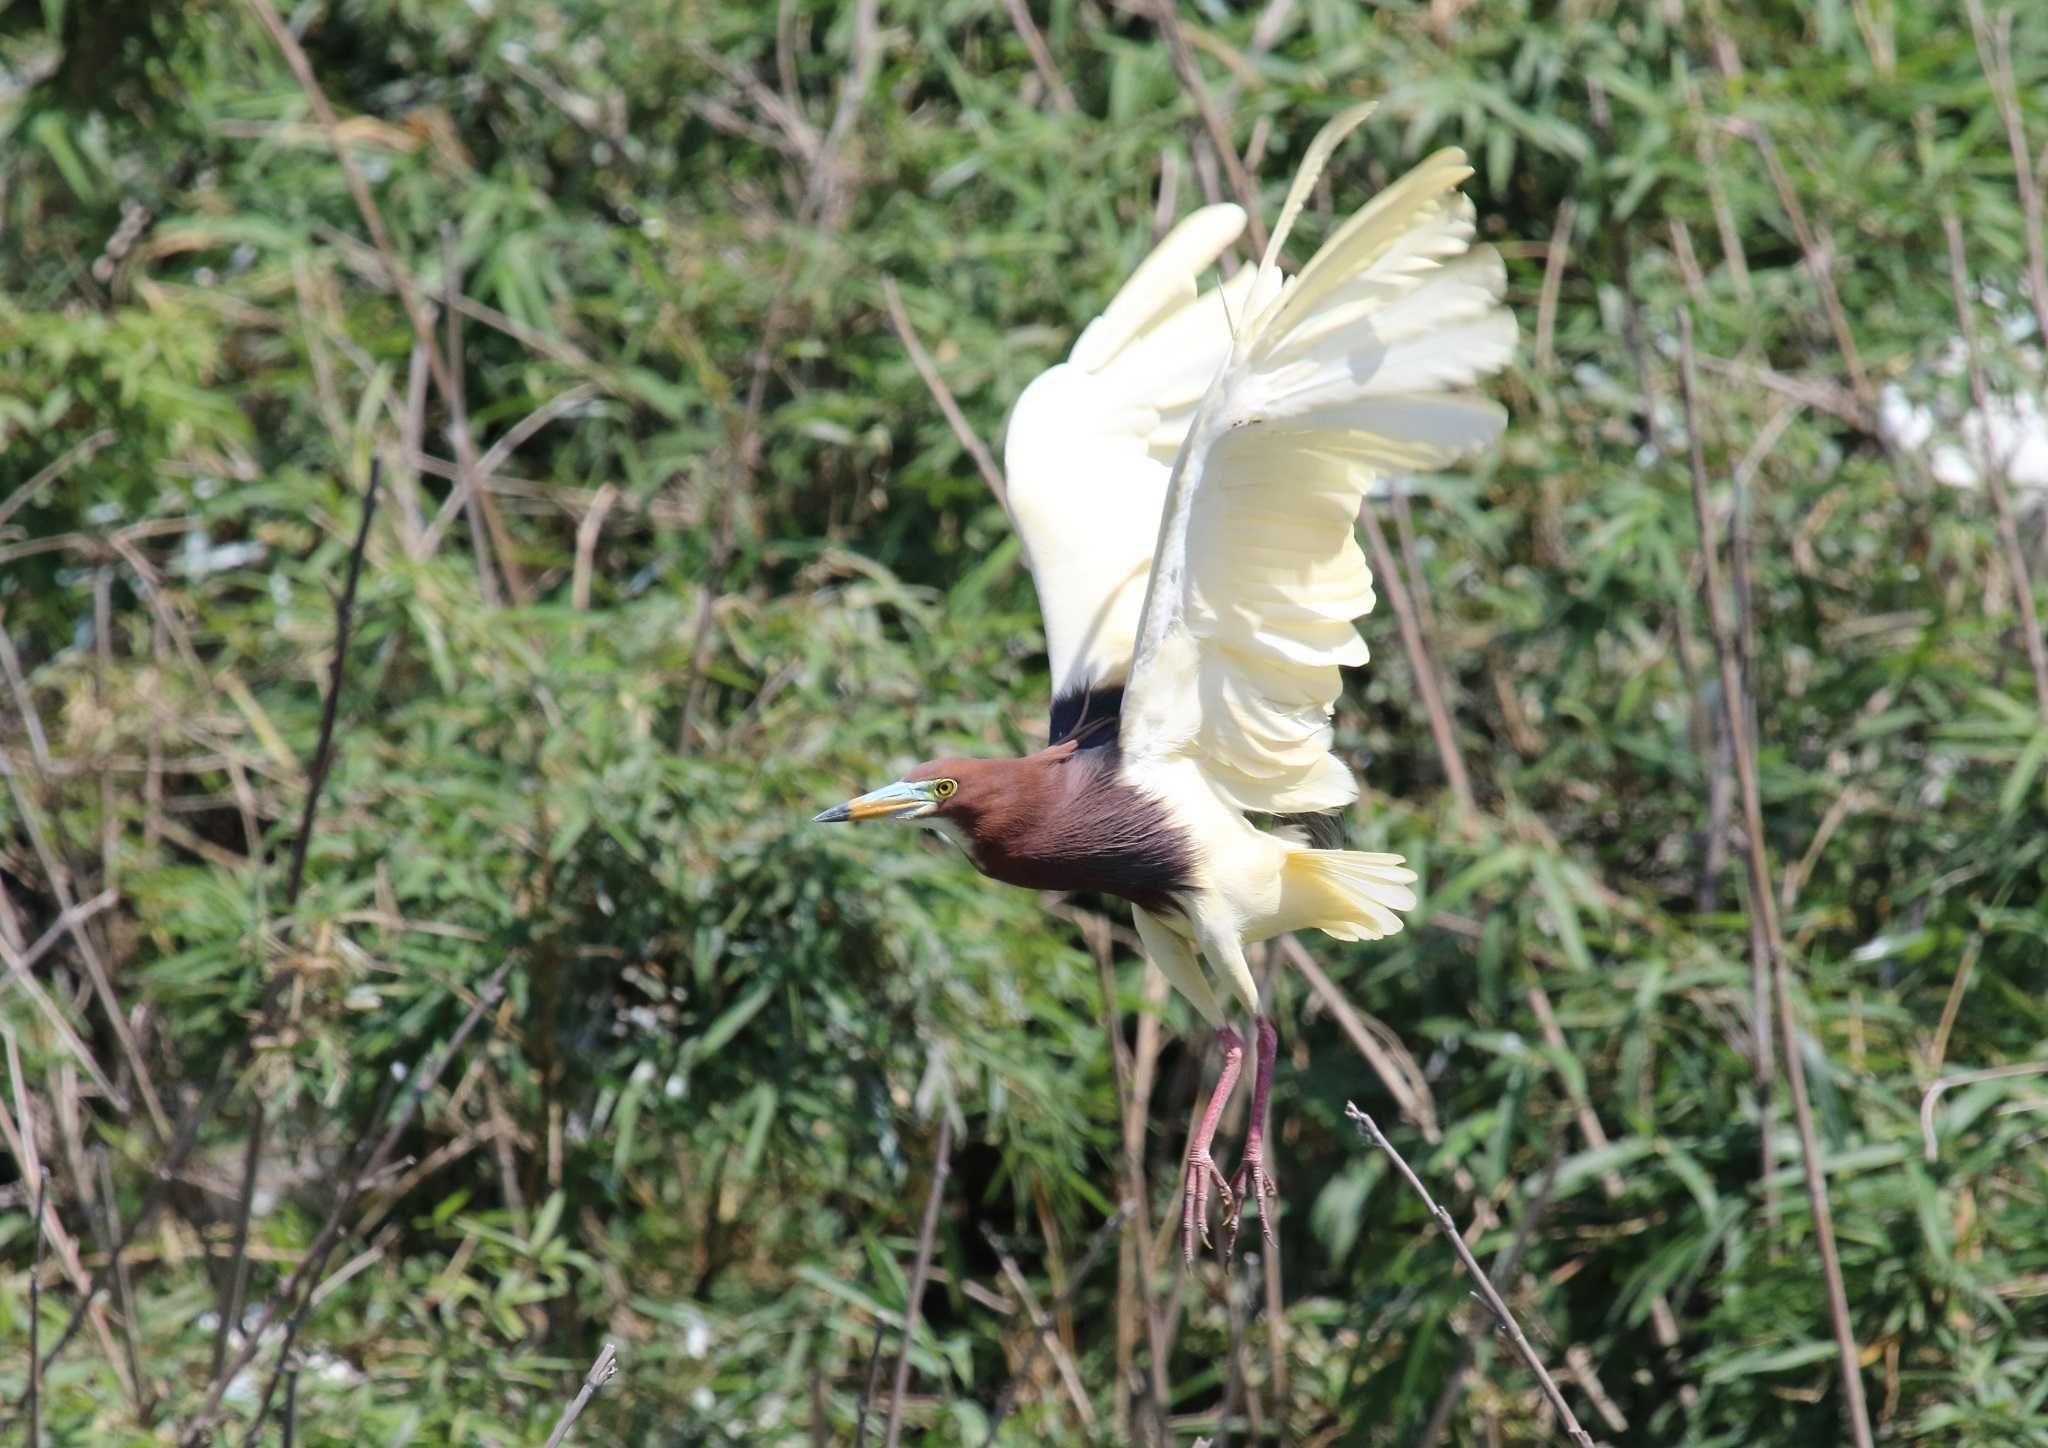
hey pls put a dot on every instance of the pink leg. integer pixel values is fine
(1194, 1211)
(1254, 1182)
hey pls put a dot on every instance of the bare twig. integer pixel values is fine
(1934, 1093)
(1554, 258)
(1506, 1264)
(927, 1233)
(1763, 904)
(943, 395)
(867, 1392)
(22, 496)
(1819, 261)
(1370, 1130)
(35, 1312)
(1426, 682)
(1044, 1334)
(1167, 14)
(1408, 1087)
(587, 530)
(1994, 53)
(237, 1285)
(1041, 56)
(19, 966)
(1993, 469)
(408, 295)
(323, 750)
(601, 1372)
(314, 1262)
(1104, 1235)
(95, 966)
(110, 1217)
(1134, 1266)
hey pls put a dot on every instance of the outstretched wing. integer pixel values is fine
(1354, 369)
(1090, 448)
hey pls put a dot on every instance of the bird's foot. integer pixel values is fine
(1253, 1185)
(1194, 1211)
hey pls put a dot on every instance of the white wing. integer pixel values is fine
(1351, 371)
(1091, 445)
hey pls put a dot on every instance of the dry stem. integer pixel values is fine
(1369, 1129)
(1993, 469)
(927, 1231)
(1763, 904)
(601, 1372)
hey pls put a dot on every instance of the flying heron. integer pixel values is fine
(1185, 486)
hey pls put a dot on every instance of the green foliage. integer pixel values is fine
(702, 1120)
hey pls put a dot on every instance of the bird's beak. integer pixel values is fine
(903, 800)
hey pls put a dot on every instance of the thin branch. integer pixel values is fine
(1041, 56)
(927, 1232)
(1763, 904)
(1168, 17)
(337, 673)
(22, 496)
(1409, 1089)
(1819, 261)
(124, 1290)
(587, 529)
(1488, 1294)
(867, 1392)
(314, 1262)
(1554, 259)
(1935, 1091)
(1134, 1268)
(1426, 682)
(1045, 1334)
(1104, 1235)
(601, 1372)
(1993, 468)
(95, 967)
(35, 1310)
(19, 967)
(408, 295)
(235, 1289)
(1994, 53)
(941, 394)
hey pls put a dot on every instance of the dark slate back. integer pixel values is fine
(1097, 711)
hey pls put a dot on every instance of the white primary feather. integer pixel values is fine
(1092, 441)
(1354, 369)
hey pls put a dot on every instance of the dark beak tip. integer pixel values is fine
(835, 815)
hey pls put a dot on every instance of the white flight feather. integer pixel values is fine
(1091, 444)
(1350, 371)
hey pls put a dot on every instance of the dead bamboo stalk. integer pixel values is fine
(1994, 53)
(1167, 14)
(1763, 903)
(920, 1269)
(1426, 682)
(408, 295)
(1993, 468)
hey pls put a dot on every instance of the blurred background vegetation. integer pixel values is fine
(576, 1031)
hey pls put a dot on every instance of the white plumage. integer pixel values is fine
(1186, 486)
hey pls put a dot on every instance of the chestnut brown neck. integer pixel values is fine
(1064, 819)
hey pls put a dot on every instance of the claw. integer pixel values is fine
(1202, 1174)
(1254, 1184)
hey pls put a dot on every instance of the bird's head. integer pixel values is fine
(937, 792)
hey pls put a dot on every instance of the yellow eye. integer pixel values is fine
(944, 788)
